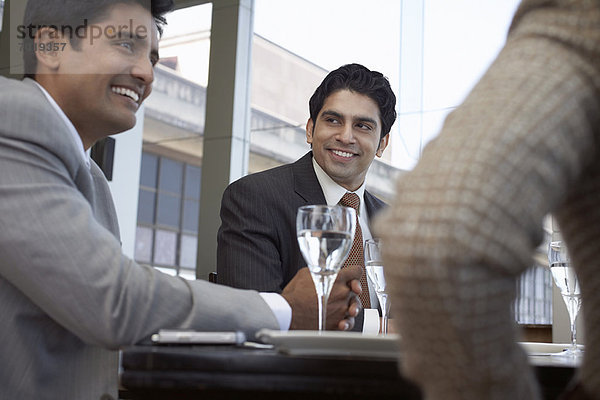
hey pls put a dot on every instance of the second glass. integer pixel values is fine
(566, 280)
(325, 235)
(374, 267)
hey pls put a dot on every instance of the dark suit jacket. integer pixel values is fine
(257, 246)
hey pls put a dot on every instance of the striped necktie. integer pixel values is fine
(357, 256)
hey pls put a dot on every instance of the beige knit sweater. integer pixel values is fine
(466, 220)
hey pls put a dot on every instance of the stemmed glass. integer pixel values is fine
(325, 235)
(566, 280)
(374, 267)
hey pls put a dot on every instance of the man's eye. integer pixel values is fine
(333, 120)
(364, 126)
(127, 45)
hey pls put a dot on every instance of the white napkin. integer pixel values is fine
(371, 321)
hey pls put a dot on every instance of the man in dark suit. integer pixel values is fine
(351, 114)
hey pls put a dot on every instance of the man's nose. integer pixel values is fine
(346, 134)
(143, 70)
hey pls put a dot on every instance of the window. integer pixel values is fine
(1, 13)
(533, 305)
(169, 193)
(169, 200)
(295, 45)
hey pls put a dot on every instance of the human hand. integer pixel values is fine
(342, 307)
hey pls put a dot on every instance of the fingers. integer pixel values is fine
(354, 307)
(346, 324)
(349, 273)
(353, 310)
(355, 286)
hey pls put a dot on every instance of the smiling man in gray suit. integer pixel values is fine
(69, 297)
(351, 114)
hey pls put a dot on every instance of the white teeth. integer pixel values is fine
(342, 153)
(126, 92)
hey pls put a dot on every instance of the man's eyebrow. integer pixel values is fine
(365, 119)
(331, 113)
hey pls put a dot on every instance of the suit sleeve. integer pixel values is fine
(249, 250)
(54, 253)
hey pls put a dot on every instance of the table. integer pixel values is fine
(228, 372)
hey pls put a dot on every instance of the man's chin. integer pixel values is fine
(123, 125)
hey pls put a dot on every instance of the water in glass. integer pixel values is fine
(566, 280)
(325, 235)
(374, 268)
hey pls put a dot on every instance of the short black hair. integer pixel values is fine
(359, 79)
(71, 13)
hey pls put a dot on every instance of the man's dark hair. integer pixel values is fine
(358, 79)
(72, 13)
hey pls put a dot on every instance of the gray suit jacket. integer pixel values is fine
(257, 246)
(69, 298)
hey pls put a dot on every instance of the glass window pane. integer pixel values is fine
(190, 215)
(192, 182)
(1, 13)
(187, 254)
(174, 116)
(143, 244)
(169, 207)
(146, 207)
(291, 58)
(148, 170)
(171, 175)
(165, 247)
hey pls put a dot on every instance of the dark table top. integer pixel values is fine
(228, 372)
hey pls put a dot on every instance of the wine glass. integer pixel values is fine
(566, 280)
(374, 267)
(325, 235)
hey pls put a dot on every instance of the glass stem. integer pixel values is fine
(385, 305)
(323, 298)
(573, 308)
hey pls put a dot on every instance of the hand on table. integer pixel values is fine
(342, 307)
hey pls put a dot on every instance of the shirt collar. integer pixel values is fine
(68, 123)
(334, 192)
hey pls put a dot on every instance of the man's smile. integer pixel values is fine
(343, 154)
(132, 94)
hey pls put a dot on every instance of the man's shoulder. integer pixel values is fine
(14, 88)
(376, 201)
(28, 117)
(279, 176)
(23, 97)
(374, 204)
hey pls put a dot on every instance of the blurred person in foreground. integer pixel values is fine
(525, 143)
(69, 297)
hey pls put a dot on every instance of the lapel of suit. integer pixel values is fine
(306, 184)
(373, 204)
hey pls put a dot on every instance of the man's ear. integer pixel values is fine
(309, 131)
(47, 49)
(382, 145)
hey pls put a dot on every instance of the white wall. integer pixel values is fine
(126, 181)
